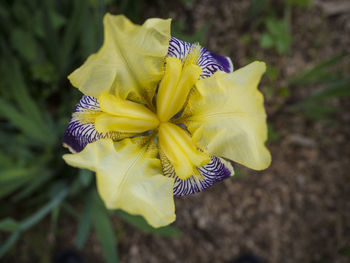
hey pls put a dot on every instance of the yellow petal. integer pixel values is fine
(124, 116)
(167, 86)
(226, 116)
(174, 87)
(110, 123)
(130, 62)
(126, 108)
(129, 177)
(178, 147)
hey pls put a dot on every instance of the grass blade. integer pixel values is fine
(9, 225)
(20, 121)
(84, 223)
(13, 178)
(35, 218)
(338, 89)
(9, 243)
(37, 183)
(14, 81)
(104, 230)
(318, 73)
(141, 223)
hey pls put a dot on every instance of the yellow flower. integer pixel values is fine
(158, 116)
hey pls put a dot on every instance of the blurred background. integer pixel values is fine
(297, 210)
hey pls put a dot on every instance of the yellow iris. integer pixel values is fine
(126, 116)
(167, 110)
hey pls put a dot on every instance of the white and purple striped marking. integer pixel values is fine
(79, 133)
(208, 61)
(215, 171)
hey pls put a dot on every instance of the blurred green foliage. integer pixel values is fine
(139, 222)
(277, 35)
(179, 31)
(333, 82)
(330, 78)
(275, 19)
(41, 43)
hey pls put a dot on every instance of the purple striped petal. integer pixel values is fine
(81, 131)
(215, 171)
(209, 62)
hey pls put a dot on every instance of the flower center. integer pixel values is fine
(175, 86)
(130, 117)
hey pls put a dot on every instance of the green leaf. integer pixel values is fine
(55, 213)
(266, 41)
(4, 14)
(239, 173)
(90, 39)
(104, 230)
(34, 185)
(20, 121)
(344, 251)
(36, 217)
(29, 119)
(274, 26)
(84, 225)
(13, 178)
(24, 43)
(277, 35)
(70, 209)
(5, 160)
(44, 72)
(313, 109)
(283, 44)
(299, 3)
(272, 72)
(338, 89)
(75, 25)
(272, 133)
(142, 224)
(9, 243)
(32, 220)
(256, 8)
(13, 174)
(57, 20)
(285, 92)
(319, 74)
(83, 180)
(132, 9)
(335, 84)
(9, 225)
(85, 177)
(179, 29)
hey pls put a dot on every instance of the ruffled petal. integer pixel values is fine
(208, 61)
(129, 178)
(226, 116)
(130, 62)
(81, 128)
(215, 171)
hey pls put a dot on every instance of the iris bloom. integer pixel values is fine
(158, 117)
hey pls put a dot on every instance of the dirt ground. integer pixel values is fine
(297, 210)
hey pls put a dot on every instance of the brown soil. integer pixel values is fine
(297, 210)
